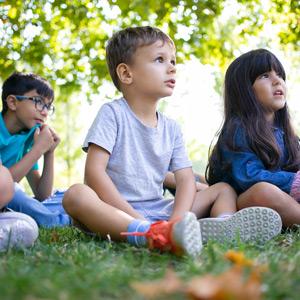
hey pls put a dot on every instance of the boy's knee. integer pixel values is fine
(74, 197)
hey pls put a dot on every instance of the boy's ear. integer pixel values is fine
(124, 73)
(11, 102)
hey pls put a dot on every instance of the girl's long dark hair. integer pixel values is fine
(241, 108)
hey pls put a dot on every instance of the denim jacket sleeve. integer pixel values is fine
(247, 169)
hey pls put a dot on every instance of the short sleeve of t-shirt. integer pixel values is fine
(103, 131)
(179, 158)
(14, 146)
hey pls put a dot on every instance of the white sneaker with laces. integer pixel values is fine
(251, 224)
(17, 230)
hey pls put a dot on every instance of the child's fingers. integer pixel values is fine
(37, 132)
(54, 135)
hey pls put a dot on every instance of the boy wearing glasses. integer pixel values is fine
(27, 100)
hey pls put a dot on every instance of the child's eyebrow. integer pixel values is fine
(165, 53)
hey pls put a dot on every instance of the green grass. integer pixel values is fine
(64, 264)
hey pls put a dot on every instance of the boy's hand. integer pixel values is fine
(43, 139)
(56, 140)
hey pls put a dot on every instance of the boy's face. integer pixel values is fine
(153, 70)
(30, 111)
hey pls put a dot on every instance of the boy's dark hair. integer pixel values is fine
(21, 83)
(123, 44)
(241, 108)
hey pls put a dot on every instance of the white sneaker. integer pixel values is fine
(255, 224)
(186, 235)
(17, 230)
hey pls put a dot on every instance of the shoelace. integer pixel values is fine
(158, 235)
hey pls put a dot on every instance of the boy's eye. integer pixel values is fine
(173, 62)
(160, 59)
(38, 101)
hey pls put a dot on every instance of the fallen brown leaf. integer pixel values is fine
(238, 258)
(241, 282)
(229, 285)
(165, 286)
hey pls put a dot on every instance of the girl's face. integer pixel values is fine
(270, 90)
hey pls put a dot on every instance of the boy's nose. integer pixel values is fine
(44, 111)
(172, 68)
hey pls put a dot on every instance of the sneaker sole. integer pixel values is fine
(251, 224)
(187, 235)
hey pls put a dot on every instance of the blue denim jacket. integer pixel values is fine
(247, 169)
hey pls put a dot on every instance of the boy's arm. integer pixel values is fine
(42, 142)
(170, 182)
(97, 178)
(185, 192)
(42, 185)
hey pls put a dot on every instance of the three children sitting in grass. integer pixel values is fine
(131, 147)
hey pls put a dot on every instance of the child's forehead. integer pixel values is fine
(158, 46)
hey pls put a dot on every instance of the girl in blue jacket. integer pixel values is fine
(257, 151)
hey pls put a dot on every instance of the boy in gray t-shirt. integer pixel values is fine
(131, 147)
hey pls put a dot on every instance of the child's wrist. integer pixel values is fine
(295, 189)
(36, 151)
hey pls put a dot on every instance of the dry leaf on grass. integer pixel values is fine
(165, 286)
(241, 282)
(54, 238)
(229, 285)
(238, 258)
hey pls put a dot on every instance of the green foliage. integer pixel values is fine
(65, 40)
(289, 13)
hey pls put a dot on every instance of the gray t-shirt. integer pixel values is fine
(140, 156)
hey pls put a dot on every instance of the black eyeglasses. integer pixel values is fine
(38, 102)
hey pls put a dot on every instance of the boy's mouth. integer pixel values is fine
(170, 83)
(39, 121)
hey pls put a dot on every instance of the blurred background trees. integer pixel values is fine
(64, 41)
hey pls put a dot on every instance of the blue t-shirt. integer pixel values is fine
(140, 156)
(14, 146)
(246, 168)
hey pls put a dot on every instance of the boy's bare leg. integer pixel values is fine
(83, 205)
(269, 195)
(214, 201)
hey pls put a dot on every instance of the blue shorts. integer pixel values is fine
(154, 210)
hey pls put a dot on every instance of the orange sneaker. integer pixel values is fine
(181, 236)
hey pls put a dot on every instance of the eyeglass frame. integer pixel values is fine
(50, 107)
